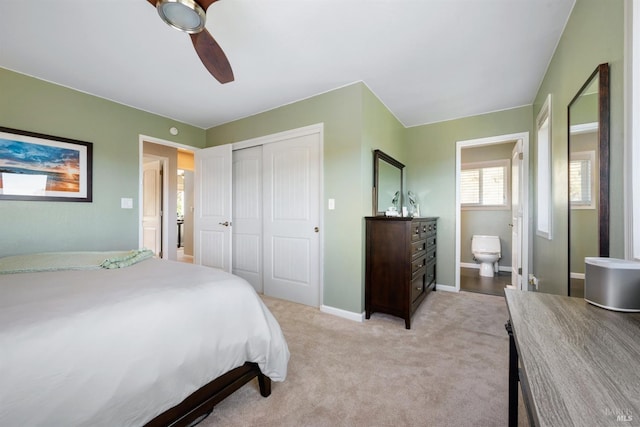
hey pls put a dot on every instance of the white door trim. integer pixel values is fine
(317, 128)
(287, 134)
(632, 130)
(500, 139)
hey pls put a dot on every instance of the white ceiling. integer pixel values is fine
(427, 60)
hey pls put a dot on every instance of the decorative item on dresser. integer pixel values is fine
(400, 264)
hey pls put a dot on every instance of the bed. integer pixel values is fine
(150, 342)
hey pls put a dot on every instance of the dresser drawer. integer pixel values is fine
(431, 228)
(431, 241)
(417, 286)
(430, 275)
(418, 248)
(418, 265)
(431, 255)
(416, 231)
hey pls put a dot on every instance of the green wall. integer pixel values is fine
(593, 35)
(431, 170)
(341, 113)
(355, 123)
(34, 105)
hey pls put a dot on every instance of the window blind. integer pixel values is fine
(484, 186)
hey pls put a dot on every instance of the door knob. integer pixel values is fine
(226, 223)
(316, 229)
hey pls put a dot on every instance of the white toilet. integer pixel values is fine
(486, 250)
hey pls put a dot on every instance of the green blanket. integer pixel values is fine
(54, 261)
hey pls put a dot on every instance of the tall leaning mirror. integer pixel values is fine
(387, 184)
(588, 150)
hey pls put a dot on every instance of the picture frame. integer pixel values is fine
(39, 167)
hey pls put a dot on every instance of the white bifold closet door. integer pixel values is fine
(276, 213)
(247, 215)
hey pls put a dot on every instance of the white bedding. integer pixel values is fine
(118, 347)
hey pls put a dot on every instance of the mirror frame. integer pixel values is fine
(602, 71)
(377, 156)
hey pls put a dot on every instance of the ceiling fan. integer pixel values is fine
(189, 16)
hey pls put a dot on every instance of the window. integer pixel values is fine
(582, 180)
(544, 169)
(485, 185)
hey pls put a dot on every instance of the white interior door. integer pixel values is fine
(212, 218)
(247, 215)
(291, 219)
(516, 215)
(152, 206)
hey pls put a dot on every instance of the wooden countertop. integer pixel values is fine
(579, 364)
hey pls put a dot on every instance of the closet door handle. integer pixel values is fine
(316, 229)
(226, 223)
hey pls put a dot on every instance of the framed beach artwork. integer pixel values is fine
(35, 166)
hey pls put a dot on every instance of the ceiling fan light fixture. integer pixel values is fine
(183, 15)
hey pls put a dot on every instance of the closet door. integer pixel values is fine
(212, 219)
(247, 215)
(291, 219)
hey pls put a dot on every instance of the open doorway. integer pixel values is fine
(168, 195)
(492, 225)
(185, 205)
(153, 203)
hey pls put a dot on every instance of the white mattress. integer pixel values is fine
(118, 347)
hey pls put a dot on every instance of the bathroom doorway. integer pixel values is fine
(492, 200)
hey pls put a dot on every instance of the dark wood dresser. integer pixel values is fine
(400, 264)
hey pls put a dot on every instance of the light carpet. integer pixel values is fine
(450, 369)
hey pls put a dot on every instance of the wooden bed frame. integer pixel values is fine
(201, 402)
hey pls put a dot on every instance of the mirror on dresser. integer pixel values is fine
(387, 183)
(588, 153)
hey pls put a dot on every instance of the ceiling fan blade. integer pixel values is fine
(209, 51)
(212, 56)
(205, 3)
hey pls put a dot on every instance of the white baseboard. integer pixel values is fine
(477, 266)
(577, 276)
(446, 288)
(469, 265)
(359, 317)
(350, 315)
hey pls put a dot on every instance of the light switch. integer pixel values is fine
(332, 204)
(126, 203)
